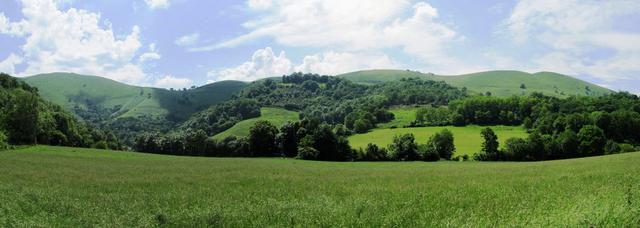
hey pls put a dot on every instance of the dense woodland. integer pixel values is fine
(26, 118)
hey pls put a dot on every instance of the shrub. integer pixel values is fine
(442, 144)
(101, 145)
(625, 148)
(3, 141)
(307, 153)
(611, 147)
(431, 155)
(404, 148)
(373, 153)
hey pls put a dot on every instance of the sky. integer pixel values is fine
(180, 43)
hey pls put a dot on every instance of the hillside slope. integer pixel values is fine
(499, 83)
(80, 91)
(277, 116)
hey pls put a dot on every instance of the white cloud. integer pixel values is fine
(188, 40)
(333, 63)
(157, 4)
(152, 54)
(265, 63)
(74, 41)
(573, 31)
(9, 64)
(353, 26)
(173, 82)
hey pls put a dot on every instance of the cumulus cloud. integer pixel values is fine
(74, 41)
(188, 40)
(152, 54)
(157, 4)
(265, 63)
(354, 26)
(334, 63)
(573, 31)
(9, 64)
(173, 82)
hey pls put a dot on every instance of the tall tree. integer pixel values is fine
(262, 139)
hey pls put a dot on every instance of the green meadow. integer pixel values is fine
(70, 187)
(466, 139)
(277, 116)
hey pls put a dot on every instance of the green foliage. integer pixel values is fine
(262, 139)
(441, 144)
(276, 116)
(432, 116)
(29, 119)
(592, 140)
(4, 144)
(404, 148)
(288, 139)
(372, 153)
(490, 145)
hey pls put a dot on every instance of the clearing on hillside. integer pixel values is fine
(70, 187)
(277, 116)
(466, 139)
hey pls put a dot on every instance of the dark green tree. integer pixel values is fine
(262, 139)
(441, 143)
(404, 148)
(592, 140)
(490, 144)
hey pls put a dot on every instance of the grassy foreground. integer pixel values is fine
(67, 187)
(467, 139)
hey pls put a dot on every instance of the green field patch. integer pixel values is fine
(70, 187)
(277, 116)
(466, 139)
(403, 116)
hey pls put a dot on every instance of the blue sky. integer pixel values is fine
(179, 43)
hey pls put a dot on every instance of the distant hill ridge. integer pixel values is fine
(499, 83)
(71, 90)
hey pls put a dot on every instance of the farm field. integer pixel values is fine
(277, 116)
(70, 187)
(466, 139)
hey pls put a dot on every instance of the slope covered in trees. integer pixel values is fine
(129, 110)
(26, 118)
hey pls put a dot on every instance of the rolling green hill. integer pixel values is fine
(499, 83)
(70, 187)
(71, 90)
(277, 116)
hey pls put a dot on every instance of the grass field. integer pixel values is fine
(466, 139)
(499, 83)
(403, 117)
(68, 187)
(277, 116)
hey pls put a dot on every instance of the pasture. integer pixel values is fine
(277, 116)
(466, 139)
(70, 187)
